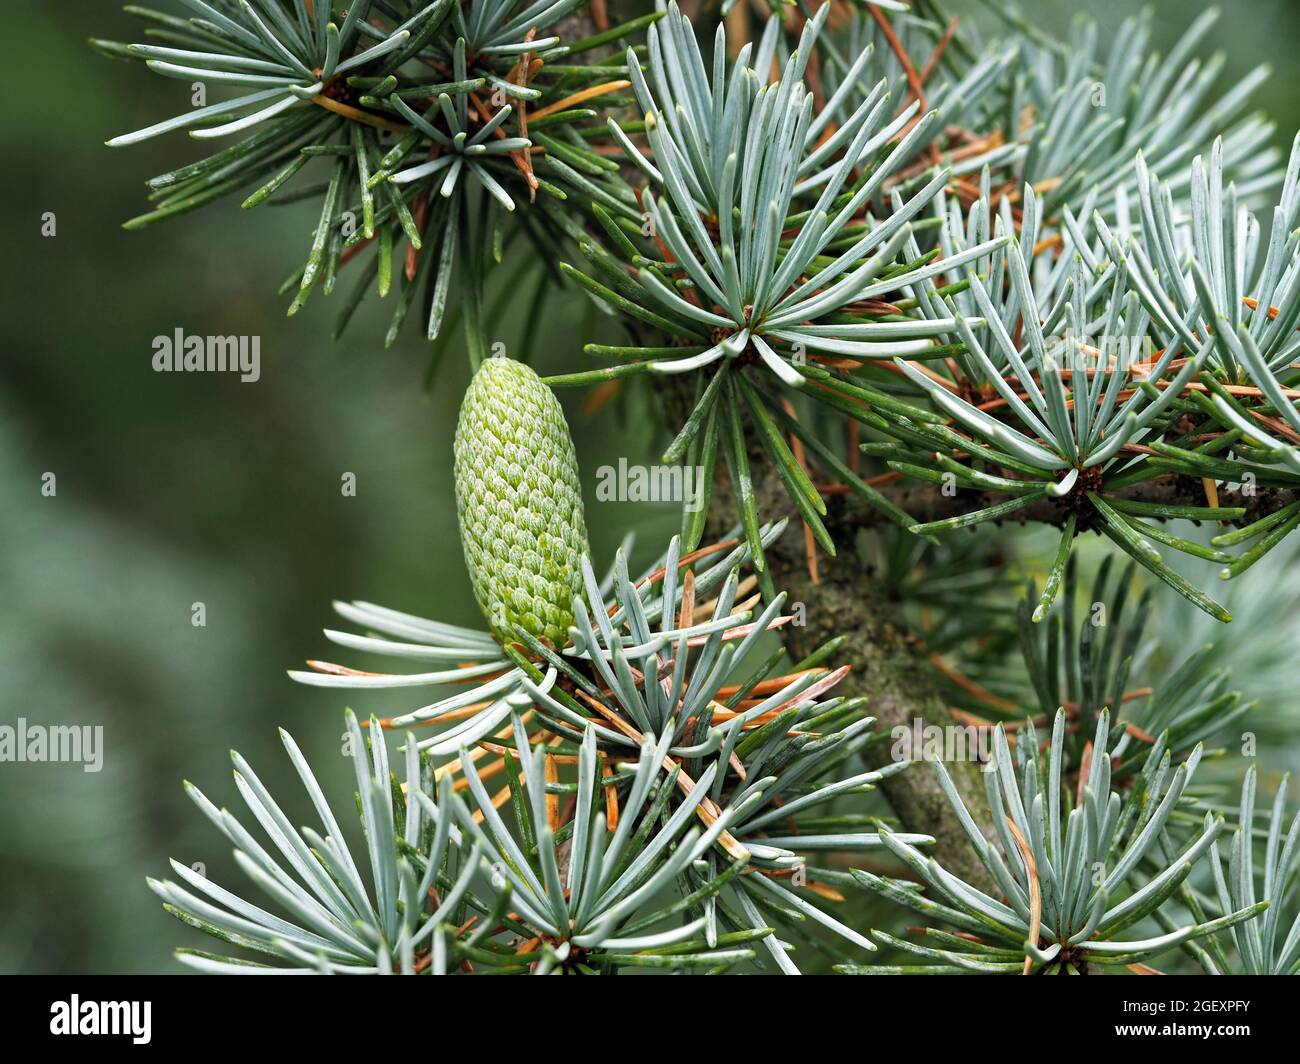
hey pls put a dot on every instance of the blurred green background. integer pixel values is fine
(179, 489)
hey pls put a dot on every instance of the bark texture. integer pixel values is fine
(890, 670)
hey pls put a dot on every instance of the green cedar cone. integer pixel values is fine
(519, 502)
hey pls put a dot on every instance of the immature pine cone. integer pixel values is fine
(519, 502)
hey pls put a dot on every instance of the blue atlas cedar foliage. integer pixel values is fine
(1022, 268)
